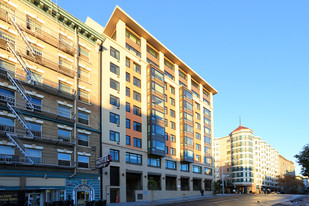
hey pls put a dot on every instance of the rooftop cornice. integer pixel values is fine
(71, 22)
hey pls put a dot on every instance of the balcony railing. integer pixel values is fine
(22, 160)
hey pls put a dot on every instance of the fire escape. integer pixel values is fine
(21, 90)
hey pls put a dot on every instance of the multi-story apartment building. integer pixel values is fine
(286, 166)
(246, 161)
(157, 117)
(49, 104)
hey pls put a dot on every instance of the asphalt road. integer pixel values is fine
(242, 200)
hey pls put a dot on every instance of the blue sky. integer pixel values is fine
(255, 53)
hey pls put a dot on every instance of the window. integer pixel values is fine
(114, 101)
(152, 51)
(207, 140)
(197, 135)
(170, 165)
(64, 135)
(173, 125)
(35, 128)
(165, 110)
(128, 107)
(168, 64)
(197, 115)
(206, 101)
(137, 110)
(114, 84)
(127, 91)
(165, 123)
(84, 53)
(154, 162)
(188, 117)
(188, 141)
(64, 159)
(136, 96)
(65, 63)
(114, 68)
(133, 158)
(7, 95)
(137, 82)
(166, 136)
(184, 167)
(7, 37)
(130, 48)
(127, 77)
(207, 171)
(172, 138)
(114, 53)
(83, 96)
(7, 124)
(83, 139)
(83, 74)
(83, 117)
(182, 74)
(207, 160)
(197, 105)
(156, 101)
(169, 75)
(188, 153)
(137, 68)
(114, 154)
(172, 113)
(166, 149)
(198, 147)
(172, 101)
(137, 126)
(156, 74)
(37, 50)
(83, 161)
(35, 155)
(206, 130)
(206, 112)
(188, 128)
(64, 87)
(187, 105)
(4, 65)
(128, 140)
(207, 150)
(165, 97)
(206, 121)
(197, 125)
(172, 89)
(133, 37)
(114, 118)
(137, 142)
(128, 62)
(114, 136)
(173, 151)
(197, 169)
(64, 111)
(128, 123)
(197, 158)
(193, 83)
(157, 88)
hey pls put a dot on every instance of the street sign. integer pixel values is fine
(104, 161)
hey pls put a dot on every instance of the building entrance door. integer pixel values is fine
(83, 193)
(33, 199)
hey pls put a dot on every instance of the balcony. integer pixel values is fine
(38, 161)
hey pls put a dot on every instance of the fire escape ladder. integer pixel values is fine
(21, 91)
(21, 62)
(20, 118)
(21, 147)
(22, 35)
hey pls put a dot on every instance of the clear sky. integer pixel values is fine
(255, 53)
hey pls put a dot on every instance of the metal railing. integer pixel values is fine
(17, 159)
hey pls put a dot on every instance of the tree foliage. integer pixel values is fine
(303, 160)
(290, 184)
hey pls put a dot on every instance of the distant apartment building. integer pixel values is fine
(286, 166)
(49, 104)
(247, 163)
(157, 117)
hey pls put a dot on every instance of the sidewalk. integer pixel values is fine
(169, 201)
(302, 201)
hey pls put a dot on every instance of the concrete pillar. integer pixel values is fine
(189, 81)
(177, 108)
(121, 33)
(143, 49)
(161, 61)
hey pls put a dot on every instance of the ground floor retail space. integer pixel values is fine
(34, 188)
(133, 185)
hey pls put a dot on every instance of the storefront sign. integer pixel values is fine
(104, 161)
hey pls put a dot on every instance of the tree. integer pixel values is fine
(303, 160)
(289, 184)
